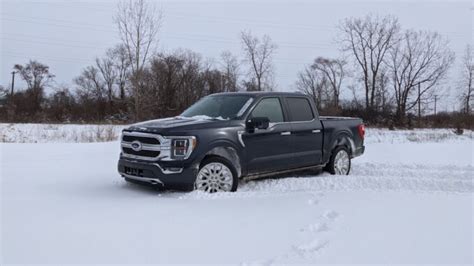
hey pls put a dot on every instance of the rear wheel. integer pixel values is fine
(340, 162)
(216, 174)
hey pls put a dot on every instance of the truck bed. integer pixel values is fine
(333, 126)
(332, 118)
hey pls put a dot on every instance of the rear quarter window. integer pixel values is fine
(300, 109)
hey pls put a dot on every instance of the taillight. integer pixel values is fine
(361, 129)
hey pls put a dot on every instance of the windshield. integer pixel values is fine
(219, 106)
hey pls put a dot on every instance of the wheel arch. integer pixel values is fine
(226, 150)
(343, 138)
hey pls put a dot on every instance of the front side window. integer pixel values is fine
(270, 108)
(300, 109)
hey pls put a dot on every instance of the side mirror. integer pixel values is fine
(257, 123)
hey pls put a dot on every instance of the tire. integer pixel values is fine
(335, 165)
(216, 174)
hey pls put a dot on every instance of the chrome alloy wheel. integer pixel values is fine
(341, 163)
(214, 177)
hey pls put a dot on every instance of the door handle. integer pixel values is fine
(286, 133)
(316, 131)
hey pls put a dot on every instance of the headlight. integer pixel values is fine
(182, 147)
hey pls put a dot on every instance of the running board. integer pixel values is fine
(257, 176)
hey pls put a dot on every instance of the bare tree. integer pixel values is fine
(230, 70)
(369, 39)
(91, 84)
(35, 74)
(122, 67)
(383, 97)
(467, 76)
(37, 77)
(420, 59)
(138, 22)
(258, 54)
(171, 75)
(114, 69)
(109, 75)
(333, 71)
(314, 84)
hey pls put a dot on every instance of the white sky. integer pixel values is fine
(68, 35)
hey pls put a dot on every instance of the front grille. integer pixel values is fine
(141, 145)
(144, 153)
(146, 140)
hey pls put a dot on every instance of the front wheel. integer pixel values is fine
(216, 174)
(340, 162)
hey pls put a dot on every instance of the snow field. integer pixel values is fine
(404, 202)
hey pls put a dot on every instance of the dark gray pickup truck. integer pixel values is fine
(226, 137)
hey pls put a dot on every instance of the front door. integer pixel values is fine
(268, 149)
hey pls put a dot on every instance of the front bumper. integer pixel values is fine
(156, 173)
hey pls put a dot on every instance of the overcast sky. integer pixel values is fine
(68, 35)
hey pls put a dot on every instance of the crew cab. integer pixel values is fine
(227, 137)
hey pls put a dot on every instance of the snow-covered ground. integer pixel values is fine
(64, 133)
(57, 133)
(409, 199)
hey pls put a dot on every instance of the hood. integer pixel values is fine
(179, 123)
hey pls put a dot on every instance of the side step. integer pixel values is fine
(260, 175)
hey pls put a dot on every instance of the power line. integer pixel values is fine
(46, 58)
(54, 43)
(208, 38)
(202, 38)
(35, 37)
(60, 25)
(75, 60)
(211, 19)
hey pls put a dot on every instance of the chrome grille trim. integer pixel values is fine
(164, 148)
(148, 147)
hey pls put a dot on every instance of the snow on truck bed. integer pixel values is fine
(409, 199)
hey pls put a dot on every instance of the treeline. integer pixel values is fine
(386, 75)
(169, 84)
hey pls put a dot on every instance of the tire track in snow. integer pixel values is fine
(364, 176)
(376, 176)
(445, 172)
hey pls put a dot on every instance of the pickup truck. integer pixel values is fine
(227, 137)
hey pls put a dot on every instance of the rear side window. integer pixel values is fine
(300, 109)
(269, 107)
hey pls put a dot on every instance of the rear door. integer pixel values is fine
(306, 132)
(269, 149)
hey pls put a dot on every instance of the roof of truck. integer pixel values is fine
(261, 93)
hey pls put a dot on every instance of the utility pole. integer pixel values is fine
(13, 83)
(436, 99)
(419, 102)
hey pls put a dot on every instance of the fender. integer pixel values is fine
(342, 138)
(228, 150)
